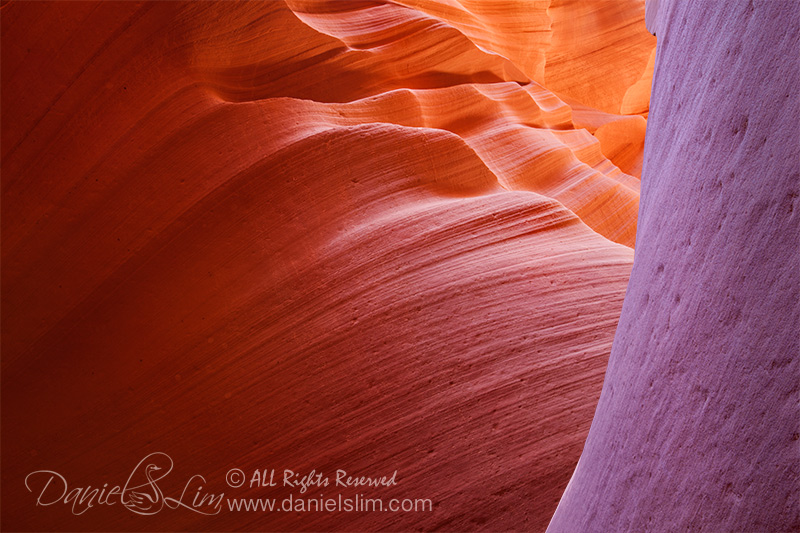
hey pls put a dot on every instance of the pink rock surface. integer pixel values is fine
(698, 424)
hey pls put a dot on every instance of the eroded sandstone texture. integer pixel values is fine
(697, 425)
(315, 235)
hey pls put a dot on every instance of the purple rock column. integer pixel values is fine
(698, 422)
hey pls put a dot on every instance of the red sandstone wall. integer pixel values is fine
(314, 235)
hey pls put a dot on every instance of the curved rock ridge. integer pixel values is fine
(312, 235)
(698, 424)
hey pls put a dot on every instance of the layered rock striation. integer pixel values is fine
(314, 236)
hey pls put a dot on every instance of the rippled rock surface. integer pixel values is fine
(315, 235)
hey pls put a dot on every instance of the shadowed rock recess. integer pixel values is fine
(697, 425)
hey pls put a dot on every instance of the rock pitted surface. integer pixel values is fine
(698, 423)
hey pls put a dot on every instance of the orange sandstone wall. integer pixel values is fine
(367, 236)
